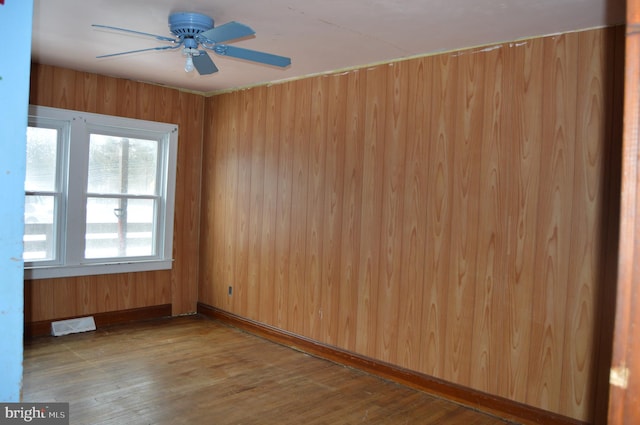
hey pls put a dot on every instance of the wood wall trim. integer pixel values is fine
(43, 327)
(625, 365)
(491, 404)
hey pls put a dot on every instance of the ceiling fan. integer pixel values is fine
(192, 30)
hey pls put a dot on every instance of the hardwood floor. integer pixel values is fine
(192, 370)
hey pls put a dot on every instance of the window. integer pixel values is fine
(99, 194)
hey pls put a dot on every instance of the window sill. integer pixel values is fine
(95, 269)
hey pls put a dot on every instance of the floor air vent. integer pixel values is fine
(72, 326)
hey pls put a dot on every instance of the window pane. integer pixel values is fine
(122, 165)
(120, 228)
(42, 144)
(38, 229)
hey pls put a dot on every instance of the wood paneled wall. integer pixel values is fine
(56, 298)
(447, 214)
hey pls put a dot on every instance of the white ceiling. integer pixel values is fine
(319, 35)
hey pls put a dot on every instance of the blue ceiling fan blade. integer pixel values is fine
(226, 32)
(252, 55)
(203, 64)
(140, 50)
(158, 37)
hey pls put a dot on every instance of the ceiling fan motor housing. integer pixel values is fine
(189, 24)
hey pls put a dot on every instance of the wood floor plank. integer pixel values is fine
(187, 370)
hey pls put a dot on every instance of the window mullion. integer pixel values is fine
(76, 193)
(62, 188)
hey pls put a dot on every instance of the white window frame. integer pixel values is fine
(73, 163)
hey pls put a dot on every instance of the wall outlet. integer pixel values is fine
(230, 290)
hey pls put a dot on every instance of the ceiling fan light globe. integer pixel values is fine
(188, 66)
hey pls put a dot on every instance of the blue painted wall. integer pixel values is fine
(15, 58)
